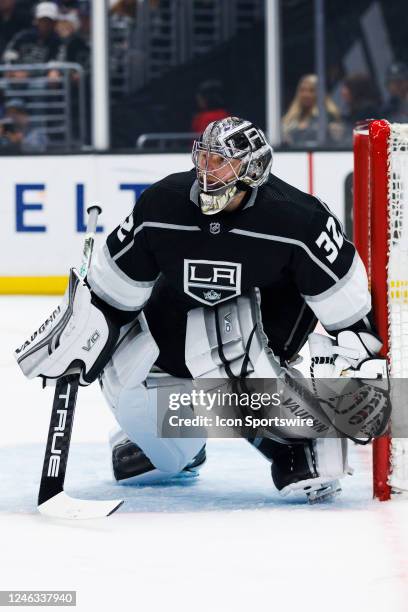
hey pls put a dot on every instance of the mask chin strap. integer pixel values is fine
(213, 203)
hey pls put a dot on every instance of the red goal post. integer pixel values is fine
(380, 181)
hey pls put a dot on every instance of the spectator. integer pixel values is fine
(13, 19)
(362, 102)
(396, 109)
(11, 137)
(73, 47)
(301, 122)
(32, 139)
(210, 104)
(39, 44)
(361, 98)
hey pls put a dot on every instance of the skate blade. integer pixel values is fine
(324, 493)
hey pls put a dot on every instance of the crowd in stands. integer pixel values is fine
(33, 33)
(359, 100)
(36, 32)
(40, 32)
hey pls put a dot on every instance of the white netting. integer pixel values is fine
(398, 289)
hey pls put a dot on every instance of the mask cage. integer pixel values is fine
(209, 179)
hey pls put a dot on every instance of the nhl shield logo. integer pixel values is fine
(211, 282)
(215, 227)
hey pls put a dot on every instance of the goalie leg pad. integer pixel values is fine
(138, 416)
(132, 394)
(134, 356)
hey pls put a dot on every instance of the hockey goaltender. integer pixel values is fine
(220, 271)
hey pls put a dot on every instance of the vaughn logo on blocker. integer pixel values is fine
(212, 282)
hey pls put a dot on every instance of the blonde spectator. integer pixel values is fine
(73, 47)
(300, 124)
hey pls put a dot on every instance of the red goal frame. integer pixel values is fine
(371, 236)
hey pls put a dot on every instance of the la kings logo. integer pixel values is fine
(211, 282)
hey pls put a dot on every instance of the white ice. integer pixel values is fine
(225, 541)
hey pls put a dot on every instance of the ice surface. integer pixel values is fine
(225, 541)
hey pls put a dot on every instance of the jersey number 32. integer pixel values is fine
(331, 241)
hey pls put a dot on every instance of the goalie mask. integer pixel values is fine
(230, 152)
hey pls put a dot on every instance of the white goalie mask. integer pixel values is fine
(230, 151)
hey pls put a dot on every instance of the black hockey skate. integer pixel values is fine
(128, 461)
(294, 469)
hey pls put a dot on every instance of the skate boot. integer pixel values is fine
(128, 460)
(294, 469)
(129, 463)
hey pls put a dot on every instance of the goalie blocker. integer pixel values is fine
(78, 337)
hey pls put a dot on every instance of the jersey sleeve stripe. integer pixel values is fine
(357, 316)
(128, 246)
(344, 303)
(354, 269)
(113, 286)
(303, 246)
(123, 251)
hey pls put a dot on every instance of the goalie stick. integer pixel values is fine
(52, 499)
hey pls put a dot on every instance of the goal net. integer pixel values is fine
(381, 237)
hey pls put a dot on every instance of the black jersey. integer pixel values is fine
(167, 257)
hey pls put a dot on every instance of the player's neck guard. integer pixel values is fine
(213, 203)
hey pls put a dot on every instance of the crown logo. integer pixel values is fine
(212, 295)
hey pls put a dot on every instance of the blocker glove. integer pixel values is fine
(79, 336)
